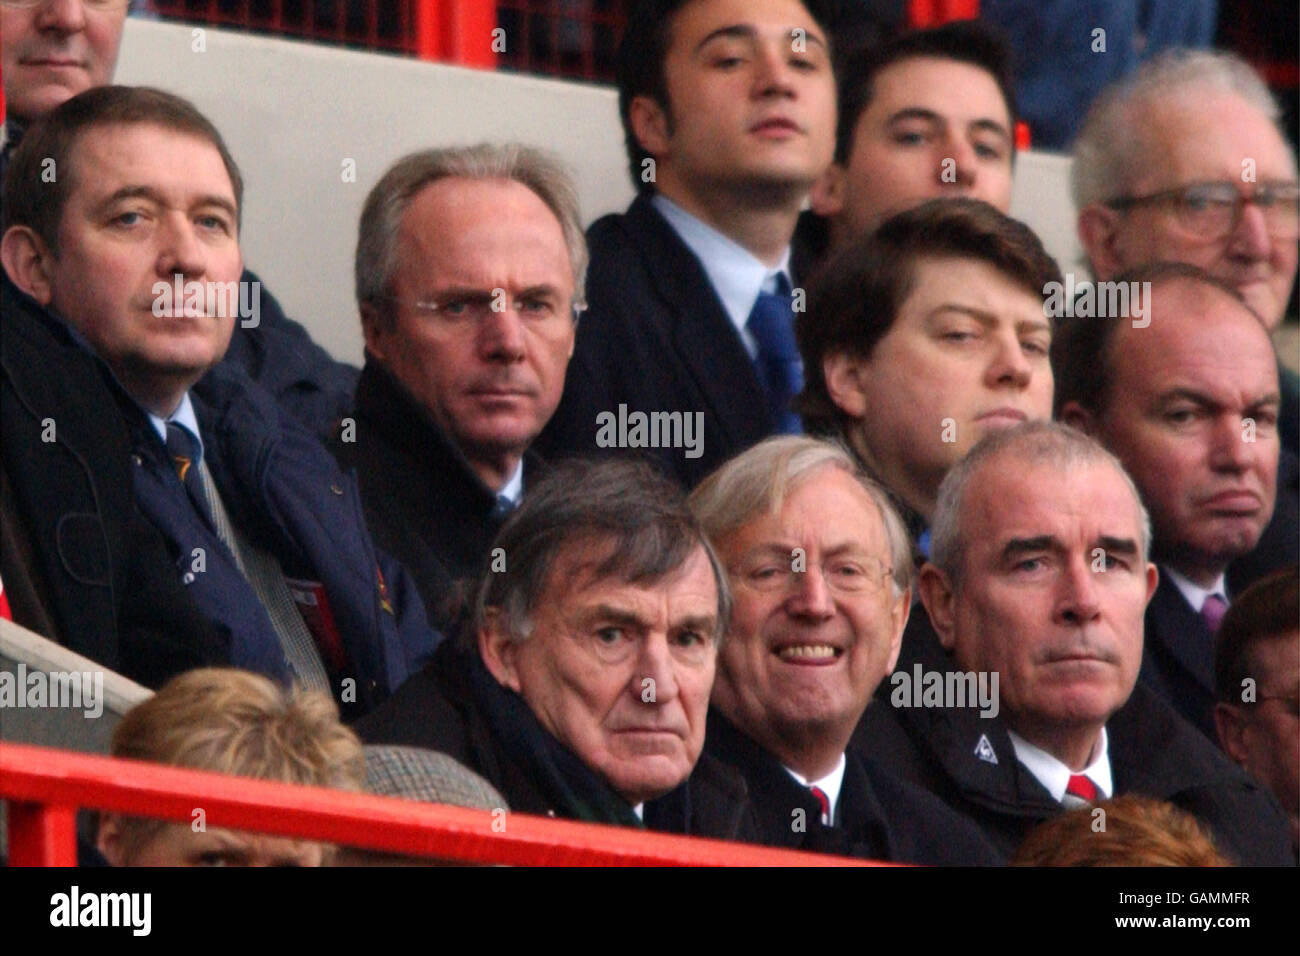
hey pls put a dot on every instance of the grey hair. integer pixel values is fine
(758, 480)
(381, 217)
(1107, 150)
(1049, 443)
(630, 521)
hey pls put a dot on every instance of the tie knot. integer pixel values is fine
(1212, 612)
(1081, 787)
(824, 802)
(182, 447)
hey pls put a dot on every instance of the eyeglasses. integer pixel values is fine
(91, 4)
(471, 309)
(845, 574)
(1212, 210)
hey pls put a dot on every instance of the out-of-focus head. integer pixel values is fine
(1138, 831)
(51, 50)
(469, 273)
(1257, 682)
(926, 335)
(928, 114)
(235, 722)
(1038, 571)
(820, 567)
(112, 199)
(606, 621)
(1187, 398)
(1184, 161)
(726, 94)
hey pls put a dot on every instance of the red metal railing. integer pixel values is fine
(45, 787)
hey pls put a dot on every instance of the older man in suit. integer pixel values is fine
(729, 111)
(1187, 398)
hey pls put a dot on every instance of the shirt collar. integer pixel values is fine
(1055, 775)
(1194, 593)
(736, 275)
(183, 416)
(513, 489)
(829, 784)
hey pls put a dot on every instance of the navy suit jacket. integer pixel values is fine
(1178, 657)
(656, 338)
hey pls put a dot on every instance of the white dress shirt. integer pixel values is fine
(183, 416)
(513, 490)
(829, 784)
(1055, 776)
(1194, 593)
(736, 275)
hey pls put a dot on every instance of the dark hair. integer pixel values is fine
(32, 200)
(1267, 609)
(856, 296)
(634, 522)
(1081, 353)
(965, 41)
(639, 69)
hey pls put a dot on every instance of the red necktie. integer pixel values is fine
(1081, 787)
(825, 803)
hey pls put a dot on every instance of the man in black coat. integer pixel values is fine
(729, 116)
(1042, 603)
(581, 687)
(820, 572)
(1186, 396)
(80, 564)
(469, 269)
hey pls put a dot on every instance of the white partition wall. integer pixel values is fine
(301, 118)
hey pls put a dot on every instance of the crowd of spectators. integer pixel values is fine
(808, 502)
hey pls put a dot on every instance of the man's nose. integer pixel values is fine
(1078, 601)
(811, 596)
(1229, 448)
(958, 165)
(1250, 237)
(61, 16)
(501, 335)
(180, 250)
(1009, 365)
(655, 680)
(773, 75)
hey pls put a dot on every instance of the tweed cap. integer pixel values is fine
(417, 774)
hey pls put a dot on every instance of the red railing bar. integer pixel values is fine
(42, 834)
(59, 778)
(933, 13)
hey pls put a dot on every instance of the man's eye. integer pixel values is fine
(1035, 348)
(987, 152)
(127, 218)
(959, 335)
(1112, 561)
(455, 307)
(1030, 564)
(727, 62)
(909, 138)
(213, 858)
(767, 573)
(690, 638)
(214, 222)
(609, 636)
(1180, 416)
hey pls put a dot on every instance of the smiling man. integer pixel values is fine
(263, 529)
(1189, 404)
(922, 338)
(820, 568)
(581, 689)
(728, 108)
(1039, 574)
(469, 273)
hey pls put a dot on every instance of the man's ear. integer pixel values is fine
(845, 375)
(650, 125)
(937, 595)
(1098, 228)
(499, 650)
(827, 194)
(1072, 413)
(1231, 727)
(26, 260)
(899, 614)
(108, 840)
(372, 330)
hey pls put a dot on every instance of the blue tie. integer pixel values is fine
(780, 370)
(183, 448)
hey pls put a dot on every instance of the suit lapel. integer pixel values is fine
(702, 334)
(1180, 634)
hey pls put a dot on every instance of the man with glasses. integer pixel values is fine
(469, 271)
(1184, 161)
(820, 570)
(52, 50)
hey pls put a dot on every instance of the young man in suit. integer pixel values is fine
(821, 570)
(1189, 404)
(729, 111)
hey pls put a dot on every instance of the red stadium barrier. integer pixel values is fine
(933, 13)
(45, 787)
